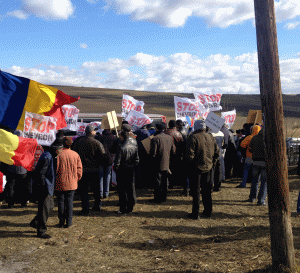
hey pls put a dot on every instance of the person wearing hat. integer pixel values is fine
(92, 155)
(125, 161)
(202, 152)
(161, 147)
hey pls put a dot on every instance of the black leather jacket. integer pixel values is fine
(127, 155)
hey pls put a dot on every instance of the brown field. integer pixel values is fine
(100, 100)
(155, 238)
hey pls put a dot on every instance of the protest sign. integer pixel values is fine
(254, 116)
(137, 119)
(41, 128)
(214, 122)
(71, 116)
(129, 103)
(187, 107)
(80, 131)
(229, 117)
(112, 119)
(210, 100)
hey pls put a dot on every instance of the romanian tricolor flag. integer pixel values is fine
(18, 94)
(18, 151)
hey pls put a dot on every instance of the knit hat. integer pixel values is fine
(199, 125)
(126, 127)
(160, 126)
(89, 129)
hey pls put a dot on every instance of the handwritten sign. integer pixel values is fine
(129, 103)
(229, 117)
(71, 116)
(137, 119)
(214, 122)
(41, 128)
(209, 101)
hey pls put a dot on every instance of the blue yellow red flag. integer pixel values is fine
(18, 151)
(18, 95)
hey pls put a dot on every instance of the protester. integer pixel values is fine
(248, 161)
(202, 153)
(238, 168)
(161, 147)
(217, 175)
(110, 145)
(69, 172)
(151, 129)
(44, 179)
(230, 158)
(92, 155)
(141, 172)
(257, 148)
(125, 161)
(182, 129)
(176, 166)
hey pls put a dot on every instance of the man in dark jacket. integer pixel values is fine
(92, 155)
(202, 152)
(44, 179)
(161, 147)
(257, 147)
(125, 161)
(110, 145)
(176, 165)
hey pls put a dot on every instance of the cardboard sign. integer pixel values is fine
(112, 119)
(214, 122)
(71, 116)
(209, 100)
(105, 123)
(229, 117)
(41, 128)
(129, 103)
(146, 143)
(137, 119)
(254, 116)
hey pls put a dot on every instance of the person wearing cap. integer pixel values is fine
(92, 155)
(125, 161)
(69, 172)
(202, 152)
(161, 147)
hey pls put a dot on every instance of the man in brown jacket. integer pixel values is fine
(69, 172)
(161, 147)
(92, 155)
(202, 152)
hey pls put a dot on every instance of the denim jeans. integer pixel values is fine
(65, 206)
(247, 168)
(105, 176)
(256, 172)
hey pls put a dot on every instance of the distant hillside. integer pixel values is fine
(103, 100)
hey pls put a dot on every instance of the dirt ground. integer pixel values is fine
(155, 238)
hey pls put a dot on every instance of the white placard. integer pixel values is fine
(214, 122)
(210, 100)
(80, 131)
(137, 119)
(71, 116)
(185, 107)
(129, 103)
(42, 128)
(229, 117)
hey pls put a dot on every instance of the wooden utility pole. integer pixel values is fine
(282, 247)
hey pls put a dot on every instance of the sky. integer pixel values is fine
(148, 45)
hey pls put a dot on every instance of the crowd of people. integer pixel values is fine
(195, 159)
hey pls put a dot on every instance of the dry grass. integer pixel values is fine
(155, 238)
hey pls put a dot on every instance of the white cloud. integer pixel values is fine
(220, 13)
(181, 72)
(18, 14)
(83, 45)
(45, 9)
(292, 25)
